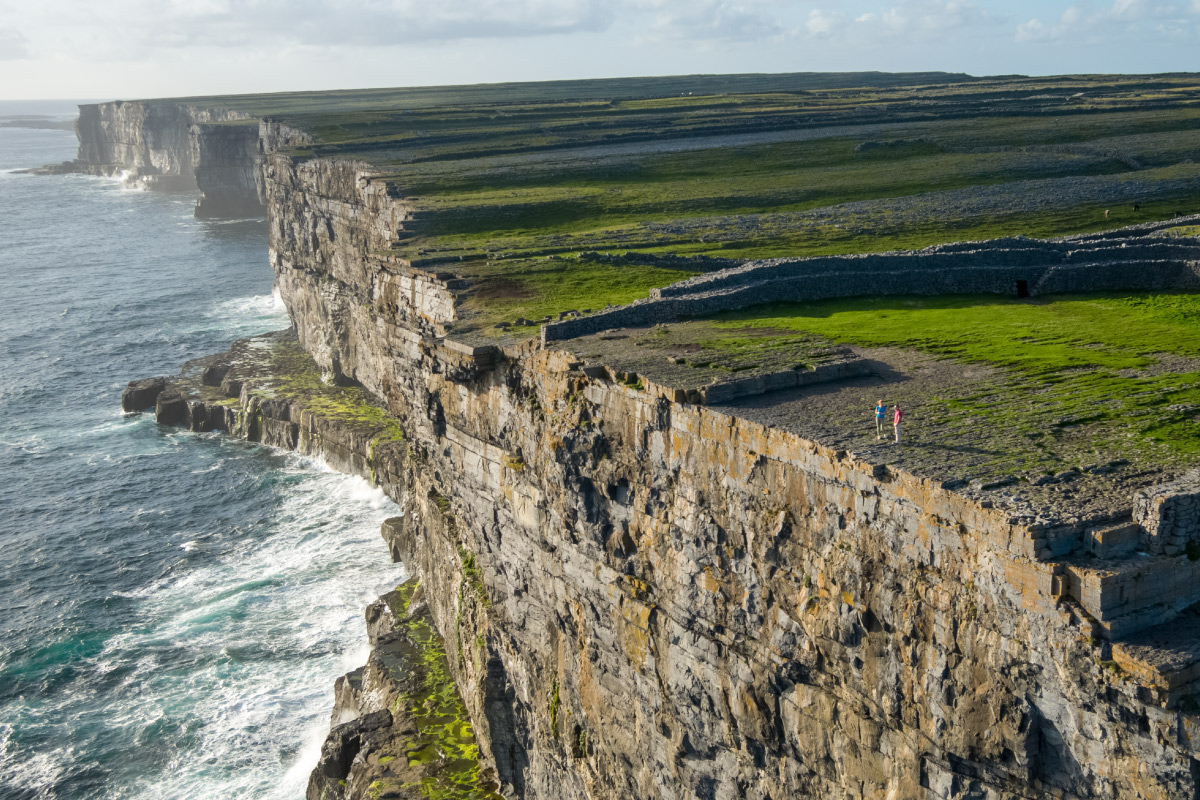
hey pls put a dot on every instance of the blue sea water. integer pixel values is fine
(174, 608)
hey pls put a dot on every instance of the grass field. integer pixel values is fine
(771, 166)
(1075, 375)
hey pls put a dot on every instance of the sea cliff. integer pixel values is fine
(174, 146)
(646, 597)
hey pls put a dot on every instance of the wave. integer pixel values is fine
(222, 684)
(180, 605)
(245, 308)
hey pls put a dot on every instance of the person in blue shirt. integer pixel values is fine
(880, 412)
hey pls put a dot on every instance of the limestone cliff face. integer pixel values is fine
(328, 223)
(171, 146)
(658, 600)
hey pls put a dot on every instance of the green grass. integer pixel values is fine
(443, 735)
(496, 192)
(507, 289)
(1044, 339)
(532, 289)
(294, 375)
(1124, 367)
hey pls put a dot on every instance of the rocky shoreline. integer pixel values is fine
(399, 727)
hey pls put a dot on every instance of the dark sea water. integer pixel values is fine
(174, 608)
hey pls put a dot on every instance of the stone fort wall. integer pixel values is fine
(1132, 259)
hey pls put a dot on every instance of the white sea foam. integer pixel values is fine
(259, 634)
(37, 774)
(30, 444)
(248, 308)
(192, 649)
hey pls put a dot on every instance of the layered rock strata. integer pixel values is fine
(683, 603)
(164, 145)
(668, 601)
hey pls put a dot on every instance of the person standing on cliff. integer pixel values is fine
(880, 411)
(897, 418)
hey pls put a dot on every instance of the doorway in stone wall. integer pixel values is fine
(1022, 288)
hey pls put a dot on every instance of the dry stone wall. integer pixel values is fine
(1170, 515)
(1005, 267)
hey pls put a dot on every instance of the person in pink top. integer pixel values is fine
(897, 418)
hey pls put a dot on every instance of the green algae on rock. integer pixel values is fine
(408, 733)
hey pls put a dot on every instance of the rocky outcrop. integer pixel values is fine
(398, 725)
(330, 221)
(226, 162)
(173, 146)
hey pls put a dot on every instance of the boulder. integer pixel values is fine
(143, 394)
(170, 408)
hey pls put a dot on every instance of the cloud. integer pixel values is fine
(152, 24)
(134, 29)
(1129, 9)
(1114, 23)
(1032, 31)
(14, 45)
(713, 21)
(925, 20)
(823, 24)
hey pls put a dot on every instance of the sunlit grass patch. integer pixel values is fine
(1124, 368)
(533, 289)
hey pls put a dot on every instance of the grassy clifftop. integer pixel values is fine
(512, 181)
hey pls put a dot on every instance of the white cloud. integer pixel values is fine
(926, 19)
(1074, 15)
(239, 23)
(1032, 31)
(1115, 23)
(1129, 9)
(14, 45)
(713, 20)
(822, 24)
(142, 47)
(124, 29)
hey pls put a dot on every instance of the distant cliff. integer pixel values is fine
(169, 146)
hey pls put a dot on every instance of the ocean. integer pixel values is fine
(174, 607)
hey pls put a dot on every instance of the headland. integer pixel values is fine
(613, 347)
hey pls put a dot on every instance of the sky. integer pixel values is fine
(126, 49)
